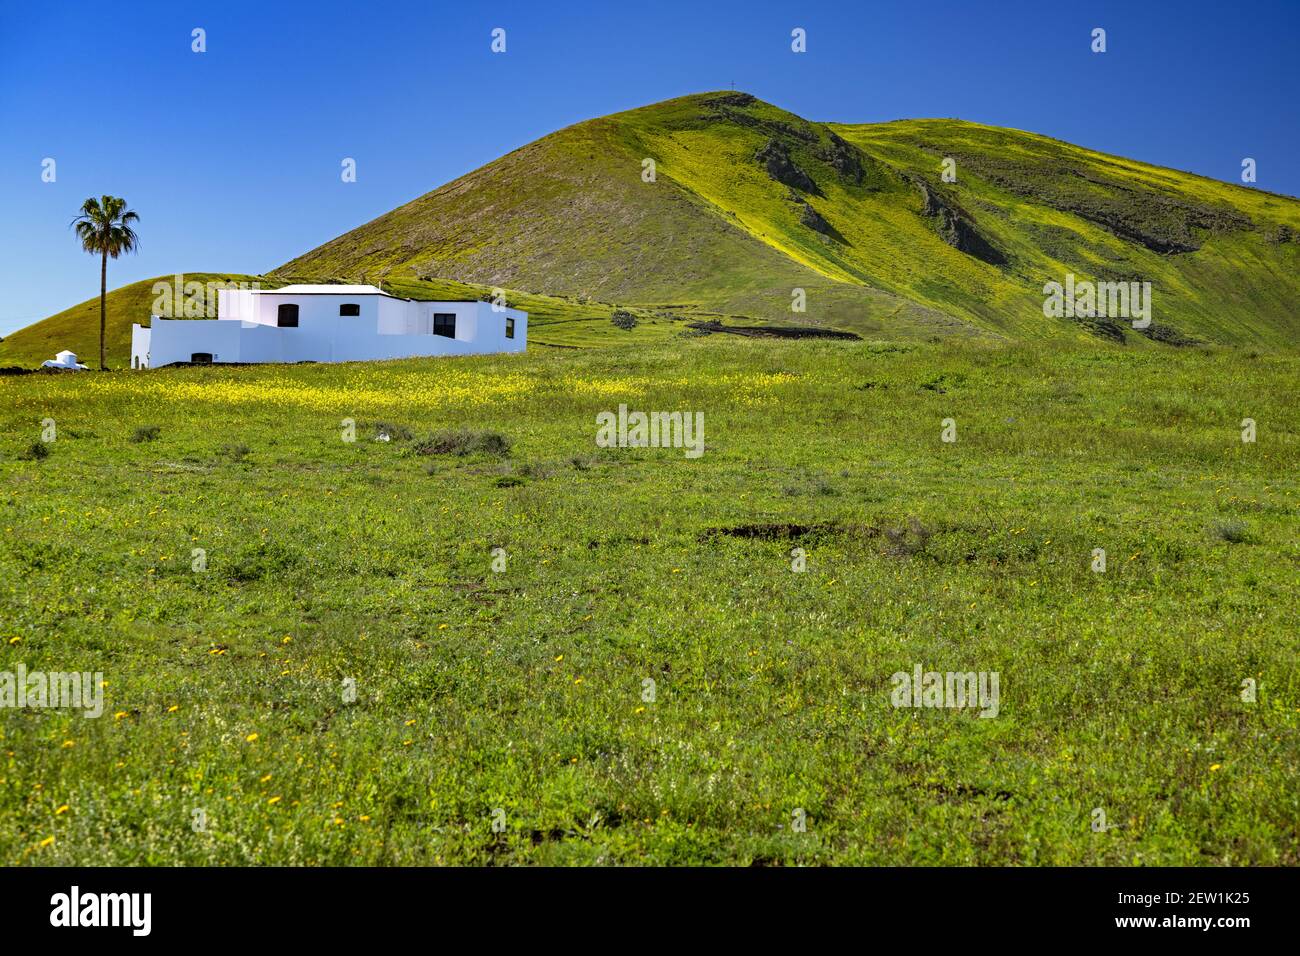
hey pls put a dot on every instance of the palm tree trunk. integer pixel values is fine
(103, 306)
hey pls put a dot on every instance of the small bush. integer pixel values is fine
(387, 431)
(464, 442)
(905, 542)
(36, 451)
(235, 452)
(266, 559)
(623, 319)
(146, 433)
(942, 382)
(821, 486)
(1233, 532)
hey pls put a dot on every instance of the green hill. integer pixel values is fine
(748, 203)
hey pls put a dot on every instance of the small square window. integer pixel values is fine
(510, 328)
(444, 323)
(286, 316)
(350, 308)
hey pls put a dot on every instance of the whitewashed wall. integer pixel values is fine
(386, 328)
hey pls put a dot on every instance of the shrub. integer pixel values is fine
(464, 442)
(263, 560)
(146, 433)
(387, 431)
(905, 542)
(235, 452)
(1233, 532)
(623, 319)
(36, 451)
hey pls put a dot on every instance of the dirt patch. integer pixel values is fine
(783, 531)
(774, 331)
(615, 541)
(962, 791)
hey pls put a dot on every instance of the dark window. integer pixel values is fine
(201, 358)
(350, 308)
(286, 317)
(510, 328)
(444, 323)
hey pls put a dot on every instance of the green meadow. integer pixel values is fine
(487, 640)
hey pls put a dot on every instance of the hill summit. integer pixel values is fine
(722, 202)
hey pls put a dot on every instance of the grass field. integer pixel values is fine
(503, 717)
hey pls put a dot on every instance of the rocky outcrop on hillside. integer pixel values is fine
(954, 224)
(775, 158)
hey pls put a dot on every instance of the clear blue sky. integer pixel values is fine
(232, 156)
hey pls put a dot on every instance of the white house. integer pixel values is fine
(328, 323)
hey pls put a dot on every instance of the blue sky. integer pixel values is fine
(232, 157)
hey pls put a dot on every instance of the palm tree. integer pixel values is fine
(104, 226)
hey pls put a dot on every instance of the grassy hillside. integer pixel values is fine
(520, 696)
(750, 201)
(1223, 260)
(571, 215)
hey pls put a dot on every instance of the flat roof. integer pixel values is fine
(324, 290)
(345, 290)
